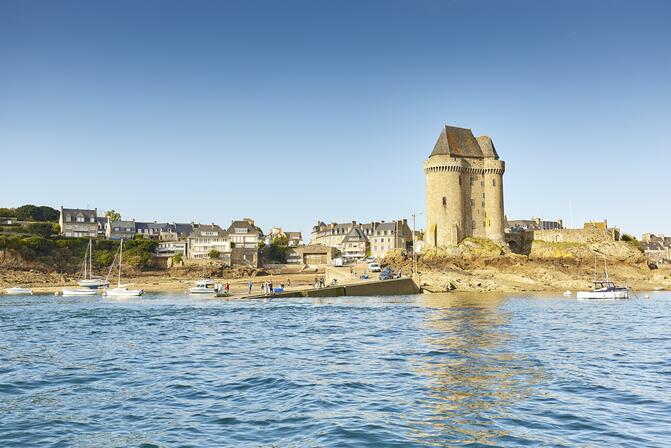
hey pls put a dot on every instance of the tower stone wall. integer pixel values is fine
(464, 189)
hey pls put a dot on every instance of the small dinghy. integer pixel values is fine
(78, 292)
(18, 291)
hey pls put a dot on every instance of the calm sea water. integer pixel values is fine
(441, 370)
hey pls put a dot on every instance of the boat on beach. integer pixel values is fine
(604, 289)
(18, 291)
(204, 286)
(121, 290)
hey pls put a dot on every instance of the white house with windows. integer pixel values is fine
(244, 234)
(79, 223)
(205, 238)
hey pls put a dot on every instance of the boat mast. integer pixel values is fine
(90, 258)
(120, 252)
(594, 279)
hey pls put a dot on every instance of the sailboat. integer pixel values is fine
(604, 289)
(90, 281)
(121, 290)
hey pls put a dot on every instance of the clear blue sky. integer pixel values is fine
(289, 112)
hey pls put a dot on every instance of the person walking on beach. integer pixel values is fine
(249, 286)
(227, 288)
(270, 286)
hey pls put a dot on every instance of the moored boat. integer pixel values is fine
(89, 280)
(78, 292)
(604, 289)
(203, 286)
(17, 290)
(121, 290)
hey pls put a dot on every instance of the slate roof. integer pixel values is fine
(157, 226)
(460, 142)
(88, 214)
(242, 224)
(355, 235)
(198, 231)
(122, 225)
(179, 228)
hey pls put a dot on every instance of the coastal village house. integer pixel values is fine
(208, 237)
(120, 230)
(311, 255)
(237, 245)
(293, 238)
(173, 239)
(657, 248)
(522, 225)
(79, 223)
(245, 238)
(355, 240)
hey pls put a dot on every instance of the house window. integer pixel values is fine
(240, 230)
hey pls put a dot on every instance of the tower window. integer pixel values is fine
(493, 182)
(444, 201)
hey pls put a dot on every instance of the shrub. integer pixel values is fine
(43, 229)
(214, 254)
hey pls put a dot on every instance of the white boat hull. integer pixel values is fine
(79, 292)
(201, 291)
(18, 291)
(622, 294)
(123, 292)
(93, 283)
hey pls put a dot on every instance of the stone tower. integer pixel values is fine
(464, 189)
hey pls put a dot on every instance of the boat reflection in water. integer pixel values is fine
(474, 373)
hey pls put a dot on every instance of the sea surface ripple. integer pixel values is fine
(440, 370)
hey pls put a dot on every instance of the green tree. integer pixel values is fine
(40, 246)
(214, 254)
(278, 249)
(113, 215)
(7, 212)
(46, 214)
(42, 213)
(26, 212)
(177, 258)
(43, 229)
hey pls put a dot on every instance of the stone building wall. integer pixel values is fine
(464, 189)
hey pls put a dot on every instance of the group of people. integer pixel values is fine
(219, 288)
(266, 287)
